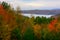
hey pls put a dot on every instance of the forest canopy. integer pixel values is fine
(14, 26)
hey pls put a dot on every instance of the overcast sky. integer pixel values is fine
(34, 4)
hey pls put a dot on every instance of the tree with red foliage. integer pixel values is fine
(5, 14)
(51, 26)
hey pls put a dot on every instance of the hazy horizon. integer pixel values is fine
(34, 4)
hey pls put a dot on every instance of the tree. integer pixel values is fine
(15, 35)
(5, 5)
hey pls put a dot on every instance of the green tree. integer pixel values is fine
(5, 5)
(15, 35)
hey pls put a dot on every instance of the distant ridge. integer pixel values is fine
(43, 12)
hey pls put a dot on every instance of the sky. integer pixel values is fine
(34, 4)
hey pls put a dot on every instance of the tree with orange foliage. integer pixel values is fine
(52, 24)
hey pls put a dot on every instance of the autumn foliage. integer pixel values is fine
(14, 26)
(52, 25)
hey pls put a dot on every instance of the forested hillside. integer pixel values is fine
(43, 12)
(14, 26)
